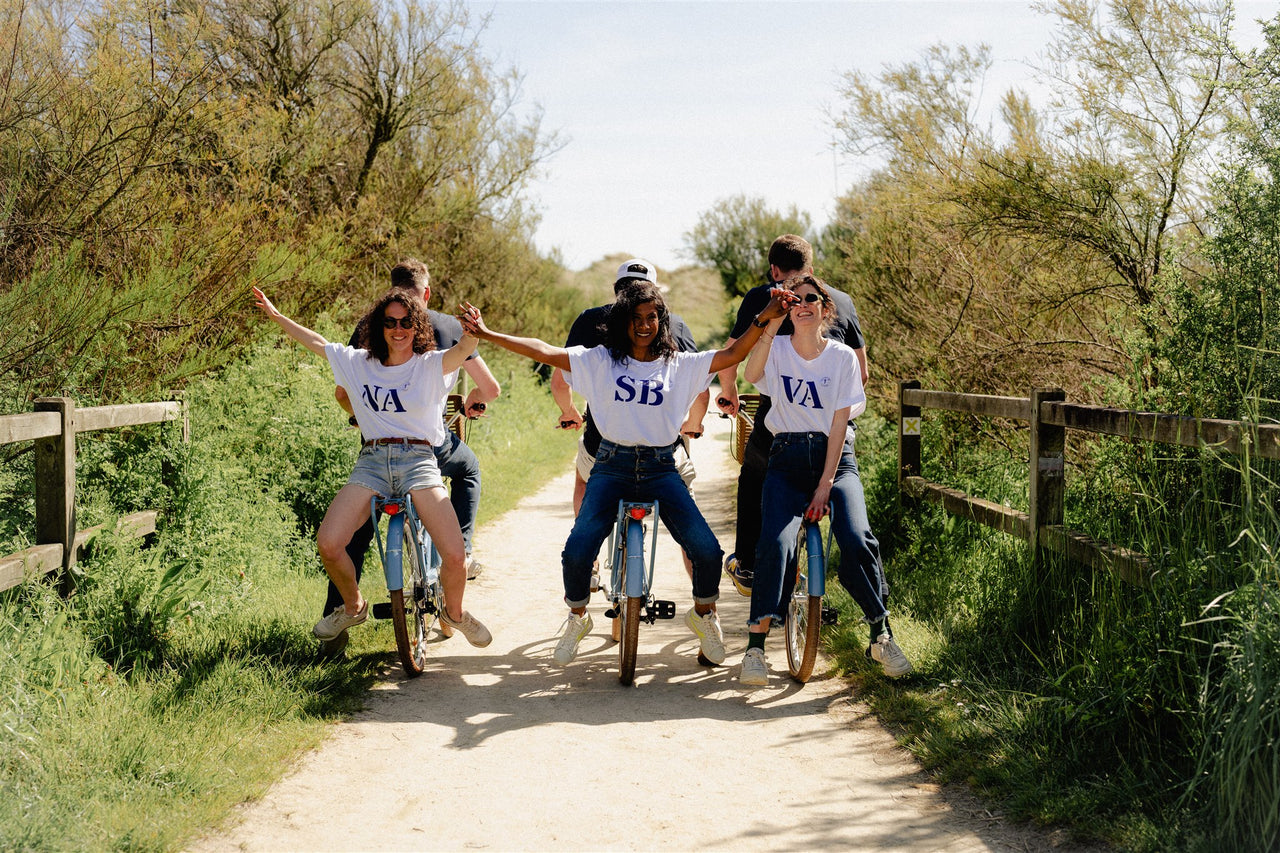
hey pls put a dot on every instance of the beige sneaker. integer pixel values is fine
(476, 634)
(338, 621)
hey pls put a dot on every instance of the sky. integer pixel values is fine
(665, 108)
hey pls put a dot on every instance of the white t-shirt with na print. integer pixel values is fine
(806, 394)
(404, 401)
(639, 403)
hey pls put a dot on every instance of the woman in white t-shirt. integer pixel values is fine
(816, 387)
(397, 383)
(639, 387)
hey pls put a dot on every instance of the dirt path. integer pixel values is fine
(501, 749)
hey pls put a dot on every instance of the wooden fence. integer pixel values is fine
(1050, 416)
(53, 427)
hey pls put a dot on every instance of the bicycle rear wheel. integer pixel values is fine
(409, 614)
(630, 634)
(804, 618)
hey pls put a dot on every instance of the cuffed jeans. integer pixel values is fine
(796, 462)
(458, 462)
(638, 474)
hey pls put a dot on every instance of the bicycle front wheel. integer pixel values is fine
(630, 634)
(804, 619)
(409, 615)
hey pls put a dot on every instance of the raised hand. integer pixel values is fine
(260, 299)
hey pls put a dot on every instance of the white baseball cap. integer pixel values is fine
(637, 268)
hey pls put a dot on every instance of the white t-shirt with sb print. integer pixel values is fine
(404, 401)
(639, 403)
(806, 394)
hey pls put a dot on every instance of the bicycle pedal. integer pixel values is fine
(662, 609)
(830, 616)
(382, 610)
(612, 613)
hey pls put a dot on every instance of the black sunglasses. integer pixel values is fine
(810, 297)
(402, 322)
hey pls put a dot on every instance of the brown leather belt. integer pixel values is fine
(381, 441)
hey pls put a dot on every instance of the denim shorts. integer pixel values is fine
(396, 469)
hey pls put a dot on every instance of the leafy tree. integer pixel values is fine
(1031, 253)
(734, 236)
(159, 157)
(1220, 357)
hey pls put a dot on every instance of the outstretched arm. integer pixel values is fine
(309, 339)
(538, 350)
(780, 303)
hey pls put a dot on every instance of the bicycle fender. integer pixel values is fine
(635, 559)
(817, 569)
(393, 565)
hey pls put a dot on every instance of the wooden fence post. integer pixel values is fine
(1046, 477)
(56, 485)
(908, 435)
(1047, 445)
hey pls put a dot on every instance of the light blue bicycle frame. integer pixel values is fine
(817, 567)
(393, 554)
(639, 576)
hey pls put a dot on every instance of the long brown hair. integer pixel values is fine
(369, 330)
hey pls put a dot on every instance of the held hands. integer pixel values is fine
(472, 322)
(780, 302)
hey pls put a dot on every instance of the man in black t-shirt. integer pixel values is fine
(789, 255)
(588, 331)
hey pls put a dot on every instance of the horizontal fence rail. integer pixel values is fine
(53, 427)
(1049, 416)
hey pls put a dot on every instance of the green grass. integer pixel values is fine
(1147, 717)
(181, 678)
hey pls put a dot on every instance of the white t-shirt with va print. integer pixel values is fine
(639, 403)
(404, 401)
(806, 394)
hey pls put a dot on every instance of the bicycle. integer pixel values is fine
(631, 582)
(410, 563)
(806, 613)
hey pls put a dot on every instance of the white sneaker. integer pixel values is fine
(755, 669)
(885, 652)
(476, 634)
(575, 628)
(710, 637)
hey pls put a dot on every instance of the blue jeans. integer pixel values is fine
(796, 461)
(638, 474)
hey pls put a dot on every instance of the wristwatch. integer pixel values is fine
(758, 323)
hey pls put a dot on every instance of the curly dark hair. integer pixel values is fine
(369, 330)
(618, 325)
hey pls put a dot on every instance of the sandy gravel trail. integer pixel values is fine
(502, 749)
